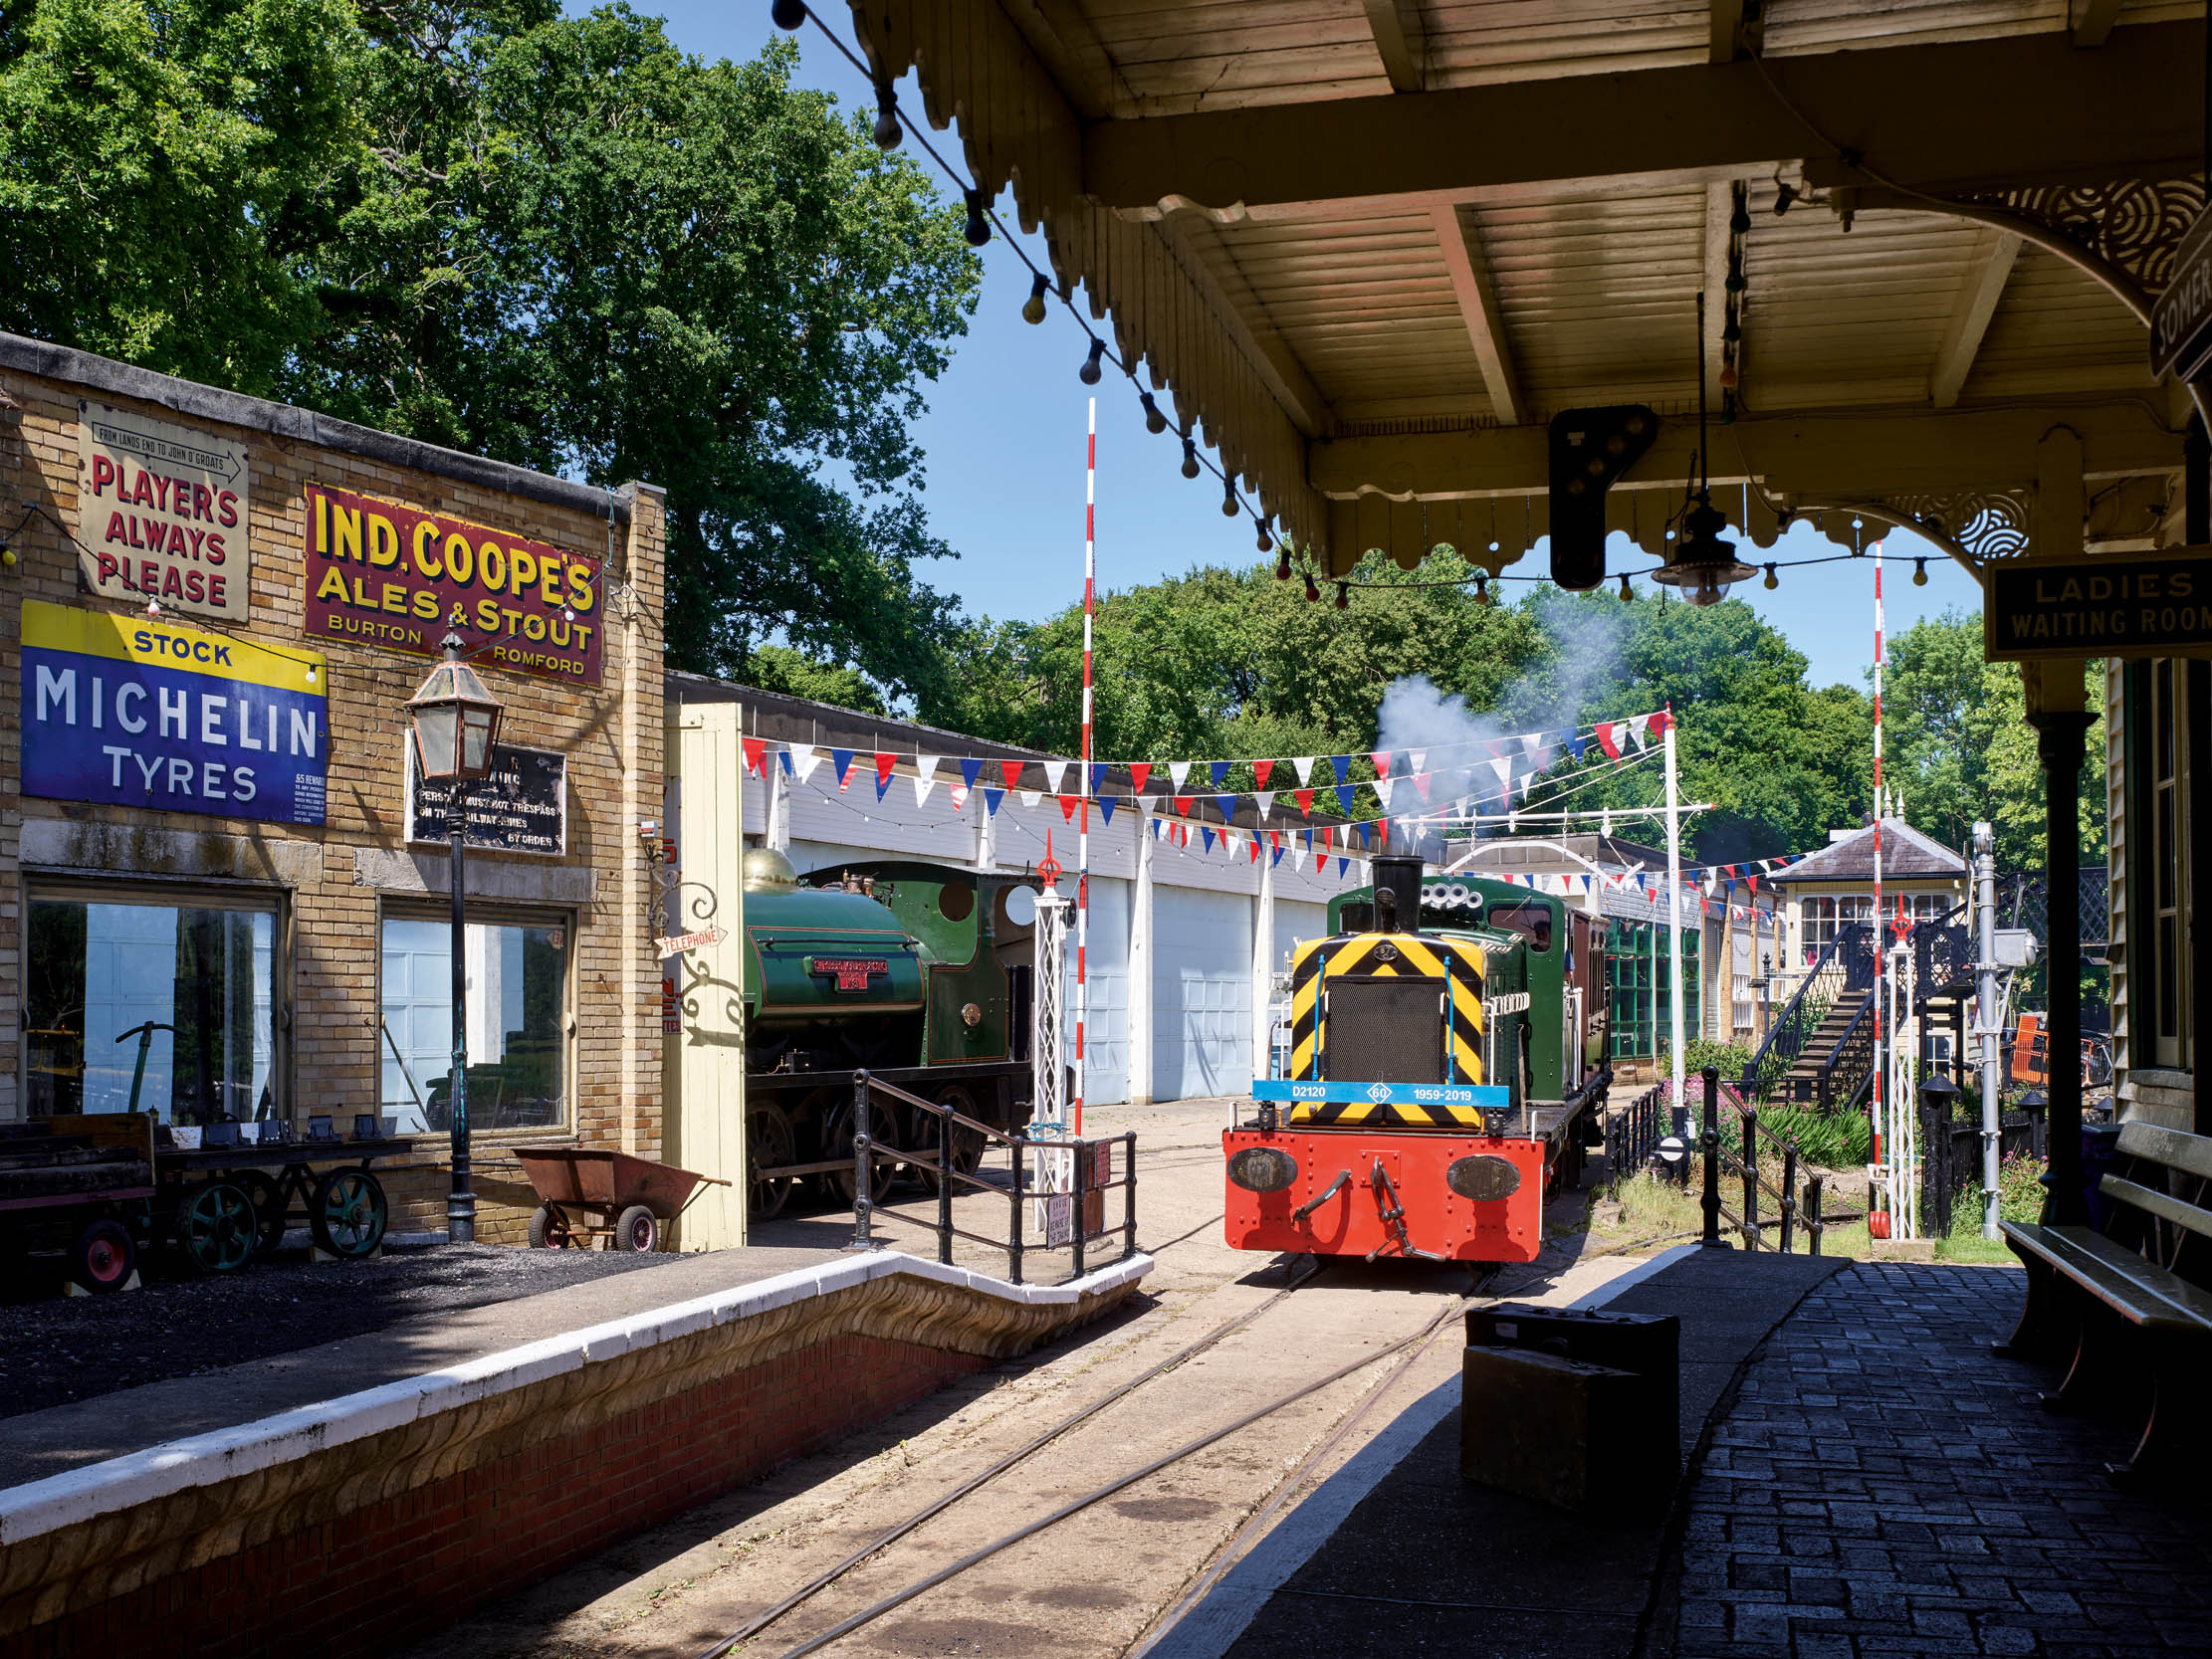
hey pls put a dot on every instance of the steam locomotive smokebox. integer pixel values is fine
(1576, 1408)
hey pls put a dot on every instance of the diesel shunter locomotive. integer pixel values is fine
(1446, 1069)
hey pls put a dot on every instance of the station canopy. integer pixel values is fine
(1373, 246)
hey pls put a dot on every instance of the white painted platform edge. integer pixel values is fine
(1211, 1628)
(64, 1500)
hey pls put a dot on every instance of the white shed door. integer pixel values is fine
(1202, 993)
(1106, 1028)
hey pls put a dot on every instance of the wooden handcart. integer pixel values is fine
(230, 1204)
(595, 1198)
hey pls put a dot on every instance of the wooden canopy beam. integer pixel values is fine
(1957, 116)
(1401, 41)
(1977, 303)
(1838, 454)
(1470, 268)
(1726, 20)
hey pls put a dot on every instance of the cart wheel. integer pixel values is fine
(637, 1229)
(884, 1165)
(267, 1202)
(217, 1226)
(967, 1145)
(348, 1213)
(549, 1229)
(103, 1258)
(770, 1143)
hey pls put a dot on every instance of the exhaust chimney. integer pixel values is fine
(1399, 875)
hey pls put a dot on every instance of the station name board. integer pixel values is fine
(385, 574)
(129, 712)
(2158, 605)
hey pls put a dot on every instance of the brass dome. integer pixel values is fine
(768, 871)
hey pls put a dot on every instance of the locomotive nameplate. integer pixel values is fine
(1491, 1095)
(852, 973)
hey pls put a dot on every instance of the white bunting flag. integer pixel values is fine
(1302, 764)
(804, 758)
(924, 783)
(1178, 770)
(1056, 773)
(1503, 766)
(1637, 724)
(1030, 797)
(1266, 800)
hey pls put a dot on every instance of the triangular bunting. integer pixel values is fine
(884, 764)
(1343, 765)
(1219, 769)
(1067, 807)
(1266, 800)
(1178, 770)
(970, 769)
(1106, 805)
(1139, 771)
(800, 759)
(1302, 764)
(1206, 834)
(1381, 757)
(1227, 804)
(1260, 769)
(1183, 805)
(923, 782)
(991, 800)
(841, 760)
(1304, 799)
(1055, 775)
(755, 756)
(1608, 741)
(1344, 794)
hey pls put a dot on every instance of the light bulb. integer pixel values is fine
(1313, 594)
(1090, 371)
(1771, 583)
(1189, 459)
(1231, 507)
(1627, 592)
(1032, 309)
(1282, 564)
(1481, 589)
(889, 135)
(1343, 596)
(977, 230)
(788, 14)
(1153, 420)
(1267, 541)
(1920, 572)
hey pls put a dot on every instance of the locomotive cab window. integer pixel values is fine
(1532, 921)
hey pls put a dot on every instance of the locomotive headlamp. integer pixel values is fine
(1262, 1169)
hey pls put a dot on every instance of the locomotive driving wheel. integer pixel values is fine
(769, 1144)
(882, 1170)
(968, 1143)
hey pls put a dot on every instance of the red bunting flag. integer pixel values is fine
(1010, 770)
(1139, 771)
(756, 755)
(1183, 805)
(1660, 721)
(1607, 741)
(1381, 757)
(884, 764)
(1067, 807)
(1304, 799)
(1421, 783)
(1260, 769)
(1320, 863)
(1255, 850)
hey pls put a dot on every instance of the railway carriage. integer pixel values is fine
(1447, 1071)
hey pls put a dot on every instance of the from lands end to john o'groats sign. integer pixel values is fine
(160, 512)
(380, 574)
(2132, 605)
(127, 710)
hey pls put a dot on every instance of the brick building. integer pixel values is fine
(219, 892)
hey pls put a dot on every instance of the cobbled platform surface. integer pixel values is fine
(1886, 1485)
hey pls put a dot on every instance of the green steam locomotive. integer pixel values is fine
(921, 973)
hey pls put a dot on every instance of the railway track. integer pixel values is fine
(1401, 1353)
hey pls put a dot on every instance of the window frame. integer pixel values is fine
(494, 914)
(2165, 891)
(45, 885)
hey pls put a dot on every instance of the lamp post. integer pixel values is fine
(455, 720)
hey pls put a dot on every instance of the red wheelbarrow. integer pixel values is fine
(590, 1194)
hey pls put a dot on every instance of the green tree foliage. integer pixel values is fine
(159, 167)
(1958, 745)
(555, 240)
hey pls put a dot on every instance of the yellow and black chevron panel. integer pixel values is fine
(1454, 965)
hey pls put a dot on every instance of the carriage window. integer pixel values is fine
(518, 992)
(148, 1006)
(1533, 922)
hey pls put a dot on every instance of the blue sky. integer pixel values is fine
(1005, 439)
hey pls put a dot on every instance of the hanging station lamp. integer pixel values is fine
(1701, 564)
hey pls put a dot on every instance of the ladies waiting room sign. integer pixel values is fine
(383, 574)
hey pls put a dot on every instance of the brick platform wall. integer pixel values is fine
(397, 1569)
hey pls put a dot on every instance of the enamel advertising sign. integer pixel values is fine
(161, 513)
(383, 574)
(129, 712)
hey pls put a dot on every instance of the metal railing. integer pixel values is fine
(1632, 1135)
(1793, 1211)
(1092, 1176)
(1844, 969)
(1942, 957)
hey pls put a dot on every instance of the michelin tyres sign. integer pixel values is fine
(123, 710)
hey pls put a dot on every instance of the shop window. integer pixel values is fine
(517, 1023)
(150, 1005)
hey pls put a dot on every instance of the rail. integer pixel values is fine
(1092, 1174)
(1844, 967)
(1942, 957)
(1632, 1135)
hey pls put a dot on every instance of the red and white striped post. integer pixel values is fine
(1083, 830)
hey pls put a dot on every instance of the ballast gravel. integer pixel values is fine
(68, 1348)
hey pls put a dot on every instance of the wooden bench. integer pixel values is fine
(2114, 1305)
